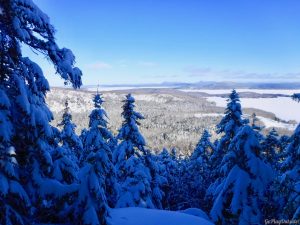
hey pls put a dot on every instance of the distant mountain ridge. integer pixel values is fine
(205, 85)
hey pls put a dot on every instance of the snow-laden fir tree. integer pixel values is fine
(199, 170)
(238, 196)
(98, 139)
(158, 181)
(291, 177)
(24, 84)
(69, 138)
(182, 193)
(14, 202)
(229, 126)
(91, 207)
(65, 168)
(97, 126)
(170, 172)
(65, 163)
(136, 188)
(256, 127)
(270, 147)
(131, 141)
(134, 177)
(284, 141)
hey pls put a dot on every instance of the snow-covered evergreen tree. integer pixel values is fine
(256, 127)
(14, 202)
(158, 181)
(131, 141)
(270, 147)
(134, 177)
(284, 141)
(25, 86)
(170, 172)
(199, 170)
(136, 188)
(91, 207)
(229, 126)
(247, 176)
(69, 138)
(291, 177)
(65, 168)
(97, 139)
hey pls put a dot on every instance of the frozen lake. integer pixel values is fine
(283, 107)
(259, 91)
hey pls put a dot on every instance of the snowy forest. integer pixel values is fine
(53, 176)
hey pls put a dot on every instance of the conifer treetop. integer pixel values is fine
(233, 113)
(23, 22)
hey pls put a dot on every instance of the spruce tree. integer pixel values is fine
(246, 178)
(199, 170)
(14, 202)
(256, 127)
(24, 84)
(290, 179)
(136, 188)
(68, 137)
(170, 172)
(91, 207)
(131, 141)
(270, 148)
(128, 160)
(97, 139)
(158, 181)
(229, 126)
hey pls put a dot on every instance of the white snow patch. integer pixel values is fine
(162, 98)
(272, 123)
(142, 216)
(201, 115)
(283, 107)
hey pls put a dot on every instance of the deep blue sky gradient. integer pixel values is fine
(143, 41)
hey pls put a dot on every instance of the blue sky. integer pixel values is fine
(152, 41)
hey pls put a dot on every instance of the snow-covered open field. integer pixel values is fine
(141, 216)
(283, 107)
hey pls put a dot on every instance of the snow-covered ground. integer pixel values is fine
(162, 98)
(283, 107)
(272, 123)
(141, 216)
(259, 91)
(115, 88)
(201, 115)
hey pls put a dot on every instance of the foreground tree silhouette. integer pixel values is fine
(24, 87)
